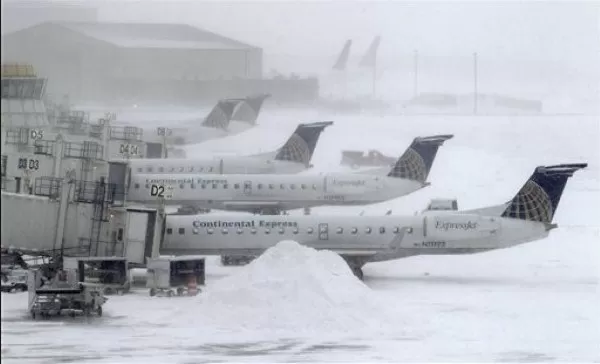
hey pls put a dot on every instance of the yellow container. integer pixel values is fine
(18, 70)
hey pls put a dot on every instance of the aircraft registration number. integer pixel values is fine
(433, 244)
(334, 198)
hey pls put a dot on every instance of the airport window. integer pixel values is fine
(396, 230)
(253, 231)
(271, 186)
(181, 231)
(225, 186)
(354, 230)
(210, 231)
(267, 231)
(140, 169)
(236, 186)
(368, 230)
(136, 186)
(195, 231)
(281, 230)
(169, 231)
(310, 230)
(161, 169)
(340, 230)
(148, 169)
(239, 231)
(382, 230)
(259, 186)
(303, 186)
(295, 231)
(225, 231)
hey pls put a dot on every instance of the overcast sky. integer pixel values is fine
(564, 32)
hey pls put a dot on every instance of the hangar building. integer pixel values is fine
(91, 61)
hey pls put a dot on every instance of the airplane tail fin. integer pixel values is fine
(302, 143)
(538, 199)
(417, 160)
(249, 108)
(370, 57)
(220, 115)
(342, 59)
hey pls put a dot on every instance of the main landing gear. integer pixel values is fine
(355, 265)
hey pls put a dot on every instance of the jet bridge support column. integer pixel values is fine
(61, 219)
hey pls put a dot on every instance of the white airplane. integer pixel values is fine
(362, 239)
(217, 124)
(293, 157)
(272, 193)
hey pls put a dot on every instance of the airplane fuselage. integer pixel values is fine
(239, 192)
(369, 238)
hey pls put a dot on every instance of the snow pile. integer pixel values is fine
(292, 287)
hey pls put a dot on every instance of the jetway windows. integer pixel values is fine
(354, 231)
(169, 231)
(161, 169)
(236, 186)
(181, 231)
(149, 169)
(368, 230)
(339, 230)
(225, 186)
(382, 230)
(140, 170)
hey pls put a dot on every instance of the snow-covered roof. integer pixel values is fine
(154, 35)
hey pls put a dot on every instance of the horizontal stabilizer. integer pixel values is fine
(415, 164)
(538, 199)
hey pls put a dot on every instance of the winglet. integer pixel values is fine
(418, 158)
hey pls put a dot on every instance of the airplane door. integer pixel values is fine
(323, 231)
(247, 187)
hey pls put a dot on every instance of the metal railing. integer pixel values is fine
(48, 187)
(85, 150)
(131, 133)
(43, 147)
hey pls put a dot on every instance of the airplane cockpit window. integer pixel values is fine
(161, 169)
(368, 230)
(181, 231)
(382, 230)
(169, 231)
(310, 230)
(354, 230)
(339, 230)
(224, 231)
(210, 231)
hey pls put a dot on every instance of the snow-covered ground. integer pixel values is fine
(534, 302)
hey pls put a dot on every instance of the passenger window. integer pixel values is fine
(169, 231)
(181, 186)
(200, 169)
(191, 169)
(236, 186)
(203, 186)
(354, 230)
(224, 231)
(295, 231)
(271, 186)
(181, 231)
(210, 231)
(396, 230)
(161, 169)
(214, 186)
(253, 231)
(225, 186)
(148, 169)
(259, 186)
(282, 186)
(140, 169)
(210, 169)
(281, 230)
(147, 186)
(267, 231)
(181, 169)
(303, 186)
(340, 230)
(293, 186)
(195, 231)
(193, 186)
(172, 169)
(382, 230)
(239, 231)
(310, 230)
(136, 186)
(368, 230)
(314, 187)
